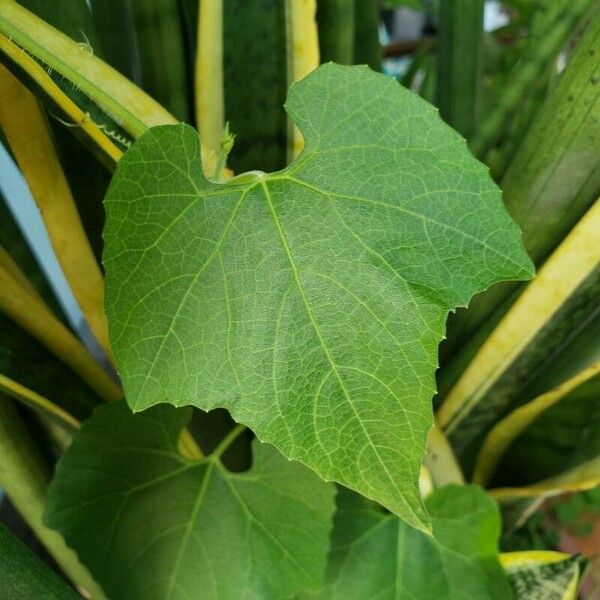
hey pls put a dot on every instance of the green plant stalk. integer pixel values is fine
(162, 55)
(209, 93)
(555, 176)
(498, 158)
(335, 19)
(499, 441)
(440, 460)
(526, 72)
(25, 477)
(302, 56)
(72, 17)
(428, 84)
(124, 102)
(552, 180)
(461, 30)
(367, 49)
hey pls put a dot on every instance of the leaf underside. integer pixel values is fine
(152, 525)
(308, 302)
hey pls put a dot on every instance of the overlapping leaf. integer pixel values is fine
(375, 555)
(150, 524)
(309, 302)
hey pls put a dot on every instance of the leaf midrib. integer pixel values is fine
(261, 181)
(323, 345)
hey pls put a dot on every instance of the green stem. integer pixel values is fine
(34, 400)
(227, 441)
(124, 102)
(440, 460)
(209, 90)
(25, 476)
(461, 30)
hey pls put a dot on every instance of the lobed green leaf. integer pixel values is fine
(375, 555)
(150, 524)
(308, 302)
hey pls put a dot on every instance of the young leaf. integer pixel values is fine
(309, 302)
(378, 556)
(23, 576)
(150, 524)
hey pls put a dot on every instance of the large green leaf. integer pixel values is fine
(23, 576)
(375, 555)
(150, 524)
(309, 302)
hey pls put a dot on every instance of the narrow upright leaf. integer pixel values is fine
(459, 62)
(150, 524)
(562, 424)
(335, 24)
(23, 576)
(309, 302)
(563, 437)
(542, 575)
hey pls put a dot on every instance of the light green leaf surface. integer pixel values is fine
(150, 524)
(542, 575)
(309, 302)
(375, 555)
(23, 576)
